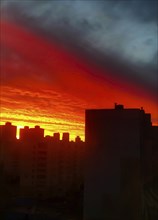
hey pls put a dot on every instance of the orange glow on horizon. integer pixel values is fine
(48, 86)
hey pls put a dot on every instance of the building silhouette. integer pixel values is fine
(9, 165)
(9, 155)
(8, 132)
(24, 133)
(41, 167)
(65, 137)
(56, 137)
(119, 149)
(117, 165)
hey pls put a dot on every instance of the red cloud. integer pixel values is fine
(45, 84)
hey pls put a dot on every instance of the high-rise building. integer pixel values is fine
(33, 161)
(24, 133)
(37, 133)
(56, 137)
(114, 150)
(9, 155)
(65, 137)
(8, 132)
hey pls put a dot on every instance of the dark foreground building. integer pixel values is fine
(121, 168)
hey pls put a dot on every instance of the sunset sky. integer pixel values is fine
(59, 58)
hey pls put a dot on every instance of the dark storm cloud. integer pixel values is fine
(122, 33)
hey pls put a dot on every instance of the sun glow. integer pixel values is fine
(46, 85)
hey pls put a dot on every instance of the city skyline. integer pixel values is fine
(61, 136)
(72, 137)
(116, 165)
(59, 58)
(79, 109)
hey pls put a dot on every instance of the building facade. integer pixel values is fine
(115, 149)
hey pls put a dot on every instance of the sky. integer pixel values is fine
(59, 58)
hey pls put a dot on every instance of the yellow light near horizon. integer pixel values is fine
(57, 123)
(46, 132)
(18, 131)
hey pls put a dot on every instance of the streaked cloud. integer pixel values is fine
(59, 58)
(125, 31)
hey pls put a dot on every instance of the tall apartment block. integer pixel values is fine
(118, 148)
(8, 150)
(9, 162)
